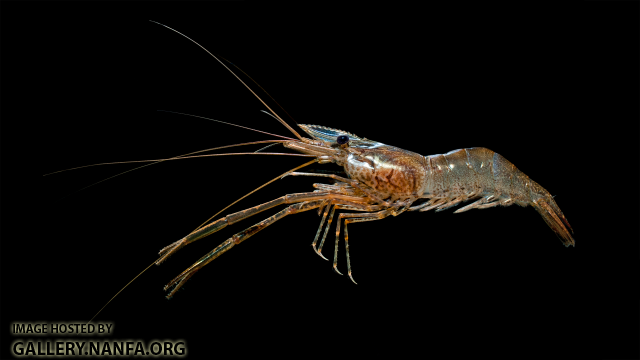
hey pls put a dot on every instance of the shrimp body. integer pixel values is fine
(381, 180)
(398, 176)
(384, 180)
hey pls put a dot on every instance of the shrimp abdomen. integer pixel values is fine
(517, 187)
(474, 172)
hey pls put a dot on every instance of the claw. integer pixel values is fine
(335, 268)
(170, 250)
(321, 207)
(319, 253)
(352, 278)
(177, 283)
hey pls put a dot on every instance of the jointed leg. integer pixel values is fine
(339, 188)
(451, 203)
(353, 218)
(353, 183)
(431, 204)
(241, 215)
(237, 239)
(326, 230)
(315, 240)
(482, 203)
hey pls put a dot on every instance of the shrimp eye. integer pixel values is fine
(342, 139)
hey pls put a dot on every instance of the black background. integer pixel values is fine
(552, 89)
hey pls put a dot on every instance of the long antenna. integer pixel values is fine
(258, 85)
(234, 74)
(256, 189)
(173, 158)
(227, 123)
(179, 157)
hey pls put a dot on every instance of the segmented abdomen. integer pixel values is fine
(476, 172)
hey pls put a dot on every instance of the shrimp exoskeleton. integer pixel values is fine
(384, 180)
(380, 180)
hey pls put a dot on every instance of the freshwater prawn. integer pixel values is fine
(379, 181)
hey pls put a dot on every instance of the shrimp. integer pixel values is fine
(384, 180)
(380, 180)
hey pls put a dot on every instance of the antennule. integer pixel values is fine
(234, 74)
